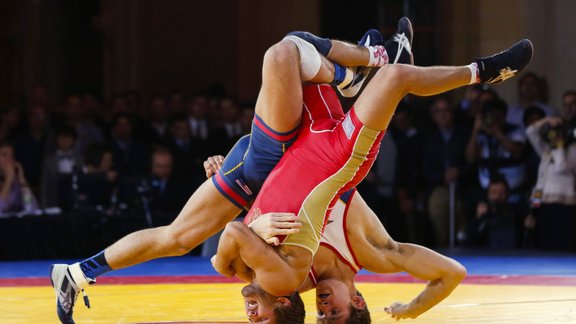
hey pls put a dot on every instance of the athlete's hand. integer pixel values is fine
(270, 225)
(213, 164)
(400, 311)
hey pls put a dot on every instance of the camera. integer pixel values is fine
(562, 132)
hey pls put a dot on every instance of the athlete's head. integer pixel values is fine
(337, 303)
(262, 307)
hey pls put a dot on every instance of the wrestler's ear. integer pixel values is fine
(358, 302)
(283, 301)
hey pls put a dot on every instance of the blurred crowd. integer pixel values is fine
(116, 156)
(505, 170)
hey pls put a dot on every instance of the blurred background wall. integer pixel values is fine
(107, 46)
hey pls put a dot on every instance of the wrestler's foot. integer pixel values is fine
(506, 64)
(66, 292)
(371, 38)
(399, 48)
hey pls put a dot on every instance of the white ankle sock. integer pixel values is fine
(378, 55)
(473, 73)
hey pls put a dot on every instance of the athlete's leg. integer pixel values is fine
(279, 102)
(303, 57)
(375, 107)
(206, 212)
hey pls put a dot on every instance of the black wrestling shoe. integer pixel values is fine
(506, 64)
(399, 48)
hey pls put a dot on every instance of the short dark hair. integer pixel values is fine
(499, 178)
(357, 316)
(293, 314)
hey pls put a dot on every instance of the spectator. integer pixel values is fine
(88, 132)
(230, 127)
(444, 164)
(10, 122)
(469, 106)
(58, 170)
(97, 180)
(131, 157)
(407, 174)
(165, 193)
(532, 114)
(15, 194)
(201, 128)
(494, 225)
(186, 151)
(531, 92)
(498, 148)
(554, 195)
(30, 145)
(155, 130)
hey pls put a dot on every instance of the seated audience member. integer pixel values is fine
(15, 194)
(554, 195)
(163, 192)
(58, 170)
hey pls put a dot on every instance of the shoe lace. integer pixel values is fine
(403, 43)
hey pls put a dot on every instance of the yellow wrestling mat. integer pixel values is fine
(222, 303)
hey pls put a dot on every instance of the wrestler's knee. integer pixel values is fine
(284, 53)
(396, 74)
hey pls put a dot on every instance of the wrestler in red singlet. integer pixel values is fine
(332, 154)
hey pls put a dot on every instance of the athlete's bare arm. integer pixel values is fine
(379, 253)
(273, 269)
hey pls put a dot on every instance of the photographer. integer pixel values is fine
(498, 148)
(495, 223)
(554, 195)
